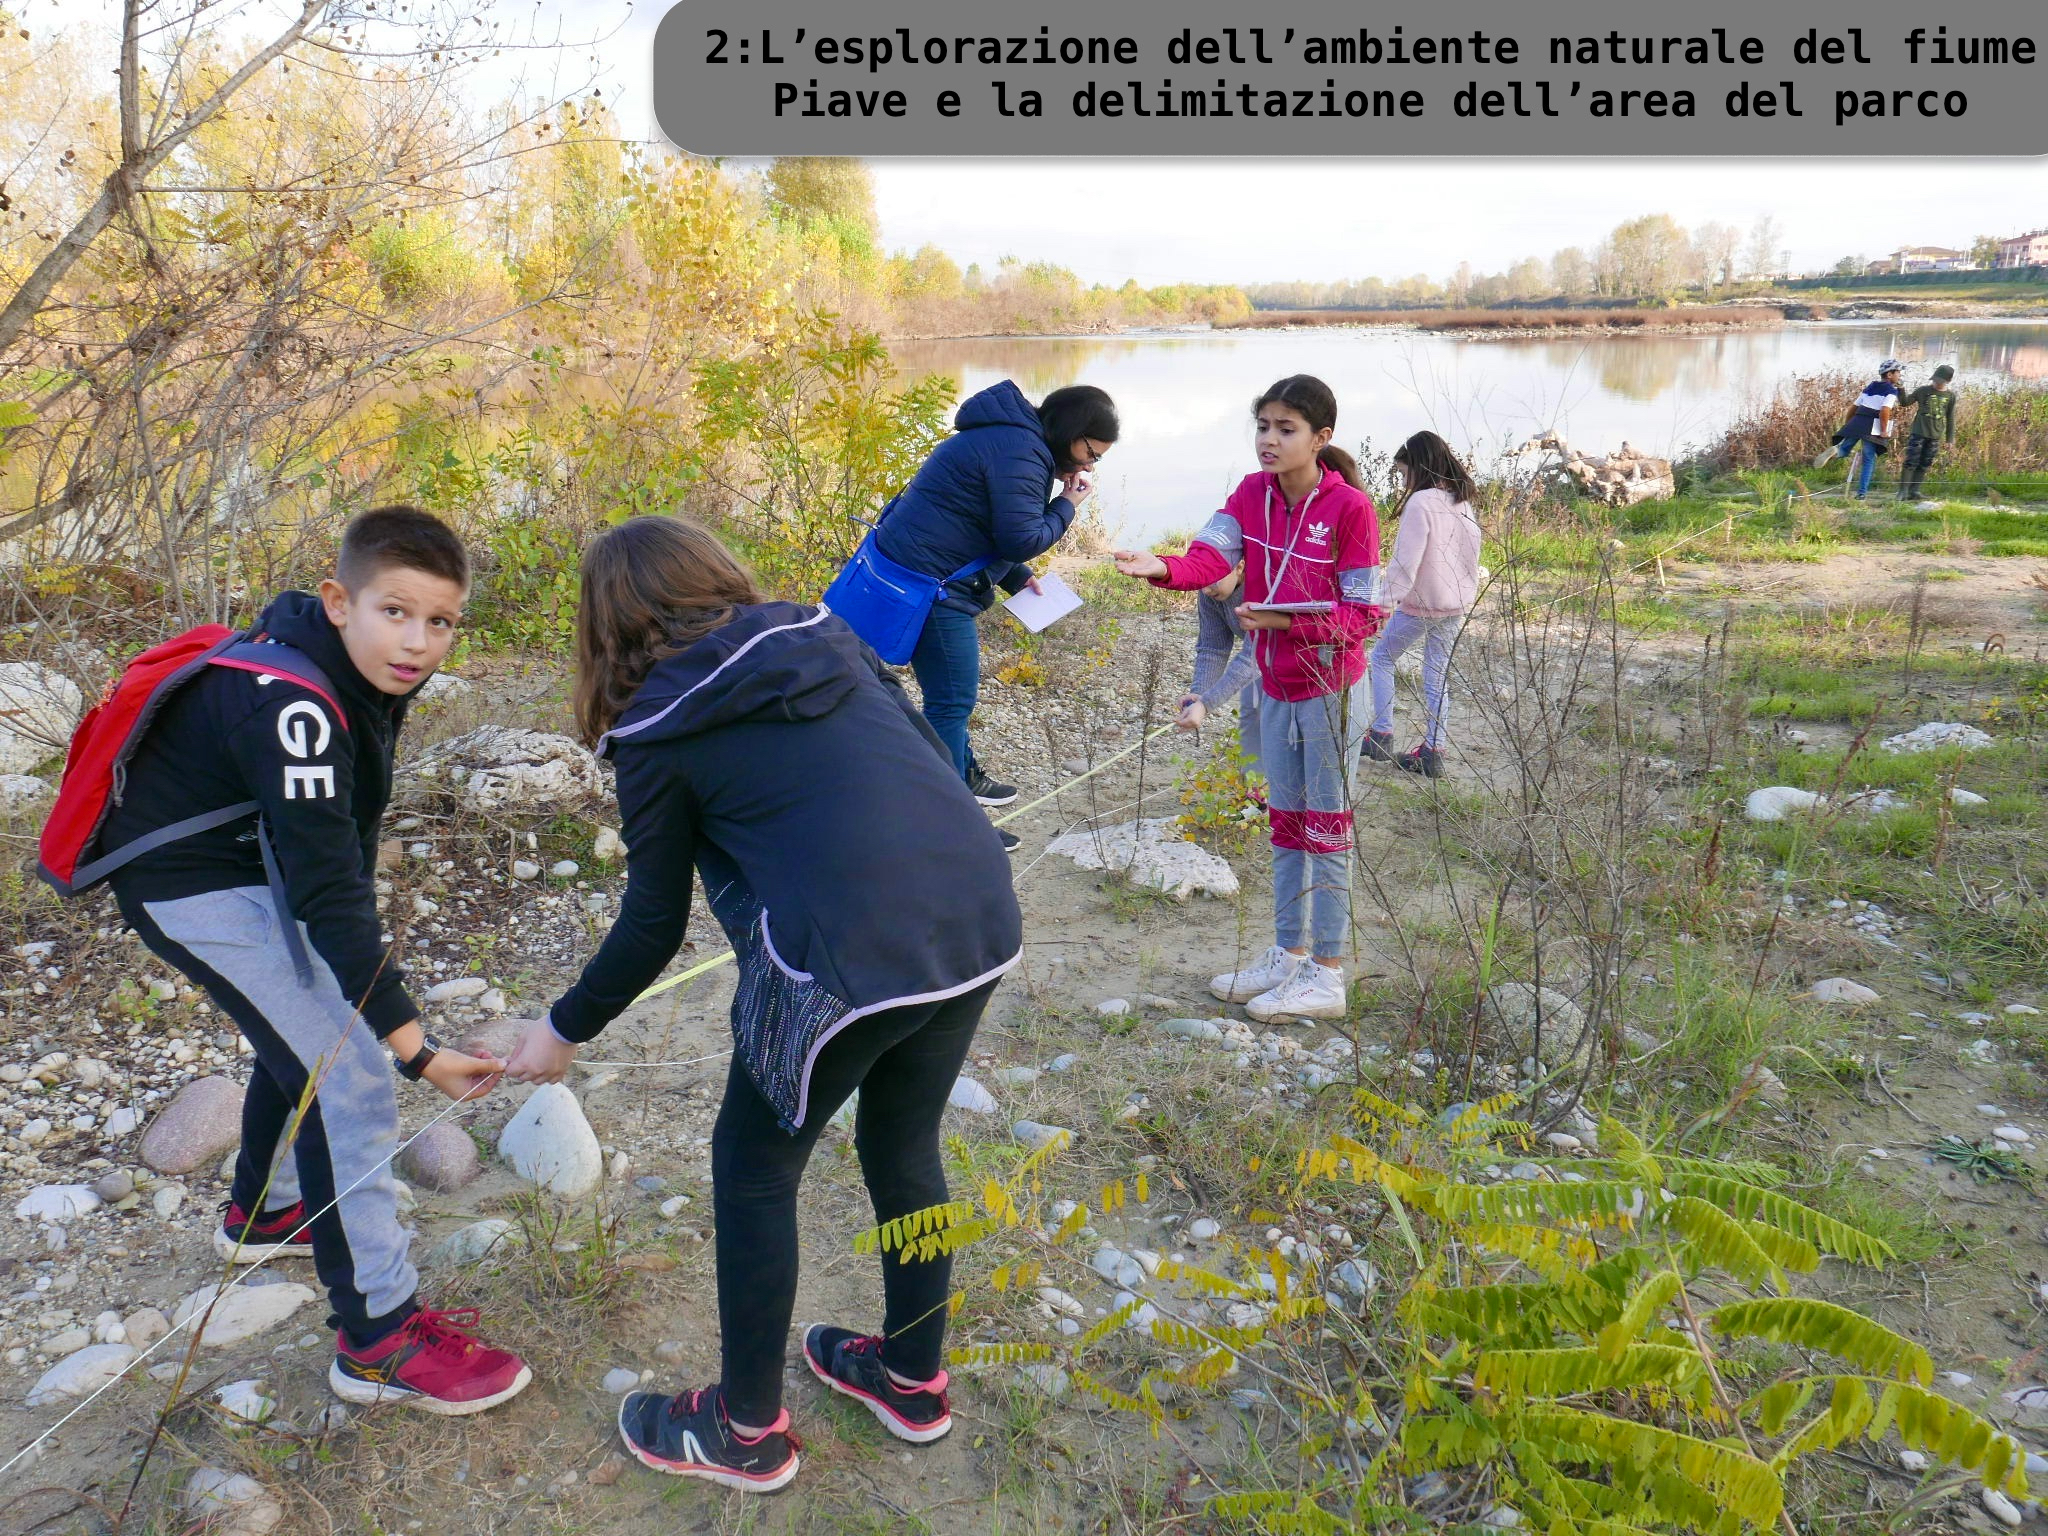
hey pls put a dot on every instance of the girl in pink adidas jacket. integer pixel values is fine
(1310, 543)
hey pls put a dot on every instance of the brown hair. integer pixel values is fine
(1431, 465)
(384, 537)
(651, 586)
(1316, 403)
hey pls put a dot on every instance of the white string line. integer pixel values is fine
(201, 1313)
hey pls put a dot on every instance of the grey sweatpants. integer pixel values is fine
(1309, 751)
(231, 944)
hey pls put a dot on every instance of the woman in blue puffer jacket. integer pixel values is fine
(983, 495)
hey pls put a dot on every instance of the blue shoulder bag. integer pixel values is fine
(885, 603)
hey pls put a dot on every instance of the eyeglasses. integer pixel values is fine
(1094, 454)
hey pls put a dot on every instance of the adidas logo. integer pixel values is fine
(1319, 533)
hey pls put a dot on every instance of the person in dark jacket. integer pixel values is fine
(318, 764)
(764, 747)
(983, 494)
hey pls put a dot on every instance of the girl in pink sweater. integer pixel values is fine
(1310, 543)
(1431, 584)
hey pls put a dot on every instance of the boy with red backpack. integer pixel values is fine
(230, 789)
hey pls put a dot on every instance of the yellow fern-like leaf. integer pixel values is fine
(1822, 1325)
(1774, 1407)
(1606, 1201)
(1202, 1279)
(892, 1235)
(1741, 1483)
(999, 1354)
(1786, 1251)
(1748, 1172)
(1209, 1370)
(1054, 1145)
(1456, 1438)
(1650, 1298)
(1557, 1257)
(1113, 1197)
(1525, 1373)
(1850, 1411)
(1104, 1393)
(1926, 1421)
(1482, 1312)
(1076, 1219)
(1105, 1326)
(1788, 1215)
(1175, 1334)
(1715, 1238)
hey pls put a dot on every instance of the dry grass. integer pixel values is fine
(1515, 319)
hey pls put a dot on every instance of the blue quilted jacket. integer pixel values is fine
(983, 492)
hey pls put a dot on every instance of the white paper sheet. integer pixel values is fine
(1036, 610)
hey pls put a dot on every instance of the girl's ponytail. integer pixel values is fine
(1333, 457)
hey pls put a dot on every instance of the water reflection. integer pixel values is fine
(1185, 398)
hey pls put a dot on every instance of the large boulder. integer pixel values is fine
(1936, 735)
(39, 709)
(196, 1128)
(243, 1311)
(1151, 853)
(550, 1144)
(441, 1158)
(499, 768)
(80, 1372)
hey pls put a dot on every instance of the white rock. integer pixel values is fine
(2010, 1133)
(1113, 1007)
(551, 1144)
(144, 1326)
(620, 1380)
(81, 1371)
(21, 792)
(455, 991)
(1033, 1135)
(39, 709)
(244, 1311)
(565, 869)
(1999, 1507)
(674, 1206)
(57, 1203)
(504, 768)
(1192, 1029)
(474, 1242)
(245, 1400)
(1840, 989)
(1777, 801)
(1357, 1276)
(1564, 1141)
(2021, 1011)
(444, 684)
(969, 1095)
(1936, 735)
(1201, 1229)
(607, 847)
(1957, 1378)
(1913, 1461)
(35, 1132)
(1118, 1267)
(1061, 1302)
(1965, 797)
(122, 1120)
(167, 1200)
(107, 1329)
(1016, 1077)
(1151, 853)
(231, 1504)
(525, 869)
(1046, 1378)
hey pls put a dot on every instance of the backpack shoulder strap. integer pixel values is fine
(273, 658)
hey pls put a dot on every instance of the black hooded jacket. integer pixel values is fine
(322, 783)
(779, 758)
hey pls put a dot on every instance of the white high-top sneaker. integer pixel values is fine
(1314, 991)
(1262, 975)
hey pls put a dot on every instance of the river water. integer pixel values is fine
(1185, 397)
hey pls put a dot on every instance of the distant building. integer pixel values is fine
(2028, 250)
(1929, 258)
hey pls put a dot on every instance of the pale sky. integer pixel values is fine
(1221, 221)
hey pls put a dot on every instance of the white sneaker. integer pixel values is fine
(1830, 452)
(1267, 972)
(1314, 991)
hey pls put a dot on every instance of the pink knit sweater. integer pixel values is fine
(1435, 569)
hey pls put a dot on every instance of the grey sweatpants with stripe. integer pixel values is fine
(231, 944)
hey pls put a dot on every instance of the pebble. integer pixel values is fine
(57, 1203)
(525, 869)
(82, 1370)
(2022, 1011)
(1913, 1461)
(1047, 1378)
(1999, 1507)
(1357, 1276)
(167, 1200)
(1193, 1029)
(608, 847)
(1031, 1134)
(672, 1352)
(1957, 1378)
(564, 869)
(244, 1310)
(674, 1206)
(455, 991)
(969, 1095)
(2010, 1133)
(231, 1504)
(551, 1144)
(122, 1120)
(245, 1400)
(1113, 1007)
(620, 1380)
(144, 1326)
(442, 1158)
(196, 1127)
(1016, 1077)
(471, 1243)
(1201, 1229)
(1063, 1063)
(1839, 989)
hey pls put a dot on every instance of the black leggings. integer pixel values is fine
(904, 1062)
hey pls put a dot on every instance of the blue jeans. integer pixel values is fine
(1309, 750)
(1437, 637)
(947, 663)
(1859, 473)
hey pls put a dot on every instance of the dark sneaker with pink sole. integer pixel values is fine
(851, 1363)
(689, 1435)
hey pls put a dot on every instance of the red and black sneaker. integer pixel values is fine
(272, 1235)
(432, 1362)
(851, 1362)
(1425, 760)
(689, 1435)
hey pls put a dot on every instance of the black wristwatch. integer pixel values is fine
(416, 1068)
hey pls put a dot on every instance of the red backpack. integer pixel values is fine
(71, 859)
